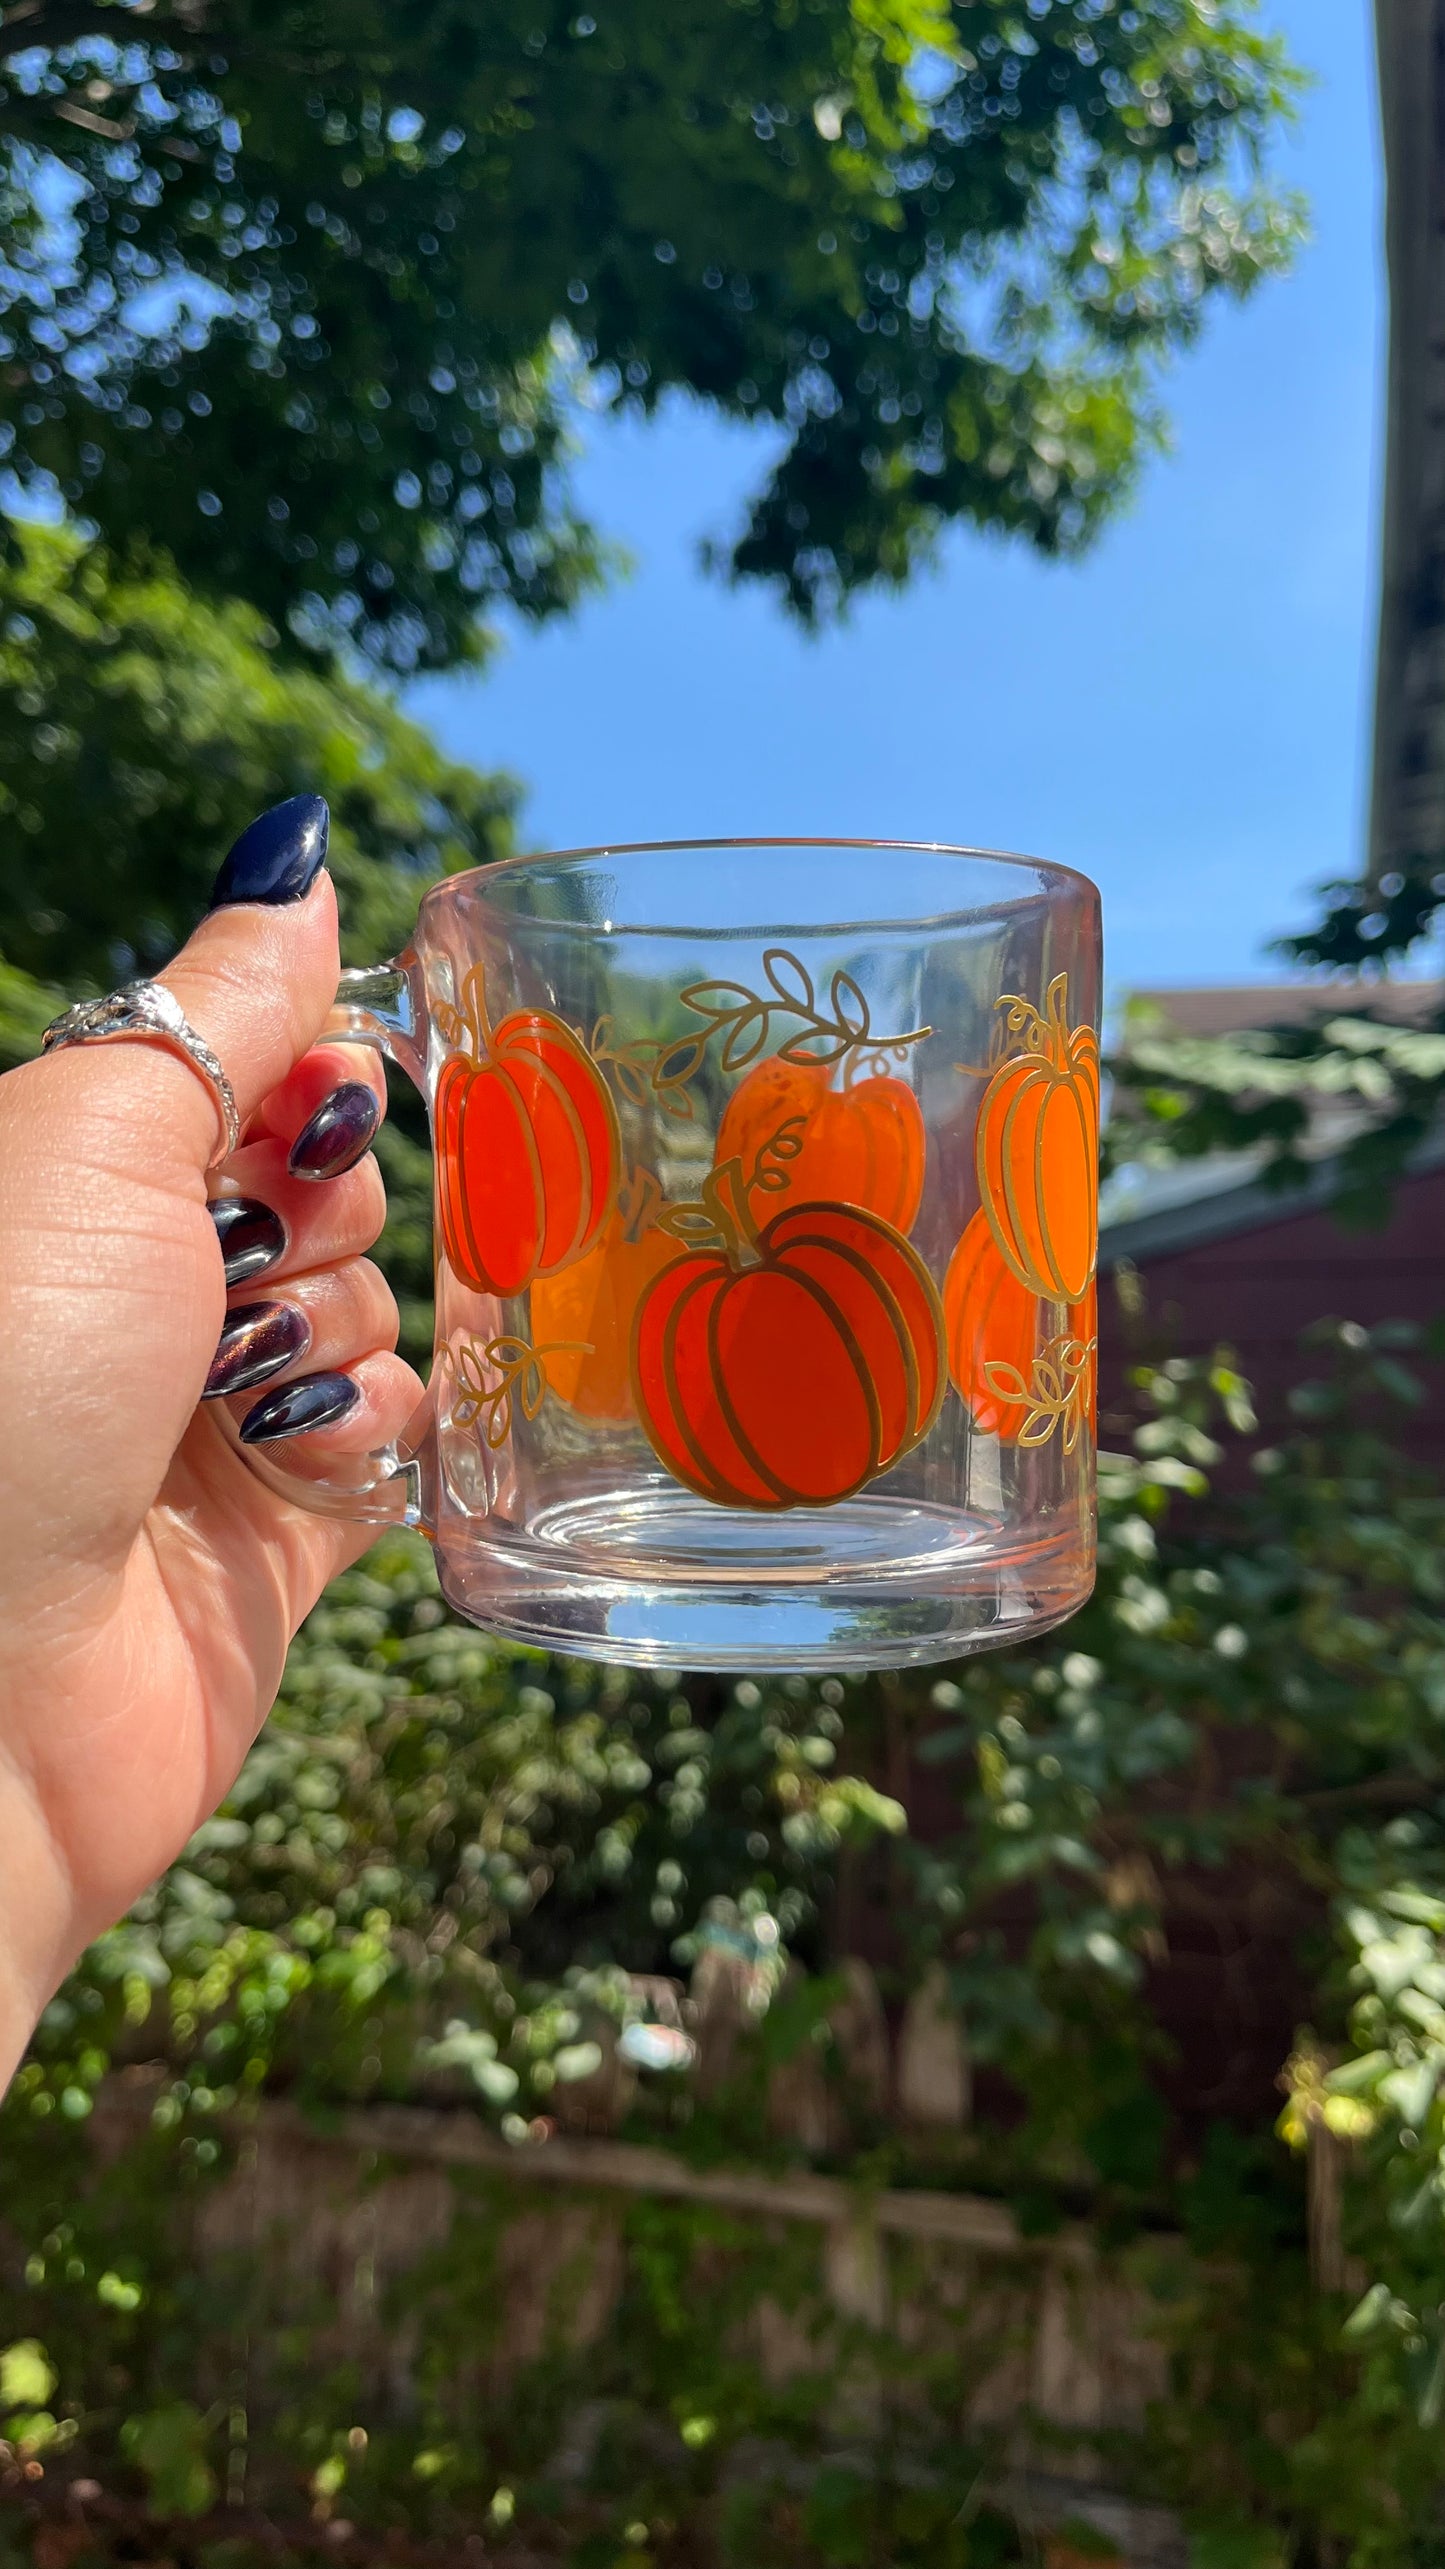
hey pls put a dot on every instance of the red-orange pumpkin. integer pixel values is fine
(990, 1319)
(528, 1153)
(993, 1321)
(862, 1145)
(1037, 1152)
(792, 1380)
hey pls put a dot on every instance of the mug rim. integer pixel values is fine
(1062, 876)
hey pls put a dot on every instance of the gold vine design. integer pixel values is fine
(837, 1028)
(769, 1172)
(1056, 1393)
(1021, 1032)
(521, 1381)
(648, 1068)
(466, 1028)
(721, 1219)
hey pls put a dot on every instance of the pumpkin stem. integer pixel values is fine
(638, 1200)
(725, 1197)
(1042, 1033)
(1056, 1013)
(474, 1013)
(720, 1221)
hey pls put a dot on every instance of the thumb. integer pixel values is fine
(256, 980)
(258, 976)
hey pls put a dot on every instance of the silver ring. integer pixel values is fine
(148, 1009)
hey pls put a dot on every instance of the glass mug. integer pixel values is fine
(766, 1219)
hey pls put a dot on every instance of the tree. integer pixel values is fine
(146, 728)
(143, 728)
(306, 295)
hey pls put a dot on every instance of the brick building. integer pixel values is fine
(1223, 1258)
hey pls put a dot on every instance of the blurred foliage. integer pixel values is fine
(452, 1869)
(143, 728)
(1356, 1081)
(309, 299)
(1363, 1085)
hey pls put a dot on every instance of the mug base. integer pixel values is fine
(660, 1580)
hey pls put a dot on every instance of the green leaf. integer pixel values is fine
(576, 2061)
(1431, 2405)
(1377, 2312)
(1408, 2092)
(27, 2376)
(35, 2430)
(1356, 2077)
(168, 2445)
(1425, 1908)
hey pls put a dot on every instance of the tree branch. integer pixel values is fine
(89, 123)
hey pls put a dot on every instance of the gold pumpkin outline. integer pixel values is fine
(480, 1058)
(1062, 1056)
(876, 1470)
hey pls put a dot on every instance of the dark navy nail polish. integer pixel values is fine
(339, 1132)
(252, 1237)
(279, 857)
(256, 1342)
(318, 1400)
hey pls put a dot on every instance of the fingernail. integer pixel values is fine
(318, 1400)
(338, 1133)
(256, 1342)
(252, 1237)
(279, 857)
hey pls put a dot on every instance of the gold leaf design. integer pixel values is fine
(651, 1068)
(744, 1018)
(1056, 1393)
(658, 1070)
(520, 1382)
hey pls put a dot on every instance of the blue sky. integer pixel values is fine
(1185, 714)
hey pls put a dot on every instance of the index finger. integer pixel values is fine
(293, 1101)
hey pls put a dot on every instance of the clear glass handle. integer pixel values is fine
(383, 1006)
(393, 1485)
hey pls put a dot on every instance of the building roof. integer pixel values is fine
(1244, 1008)
(1151, 1211)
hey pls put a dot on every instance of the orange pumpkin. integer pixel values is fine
(789, 1366)
(1037, 1149)
(861, 1145)
(590, 1308)
(990, 1318)
(528, 1153)
(1000, 1336)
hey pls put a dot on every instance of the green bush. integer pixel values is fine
(445, 1858)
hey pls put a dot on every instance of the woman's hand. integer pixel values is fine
(149, 1583)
